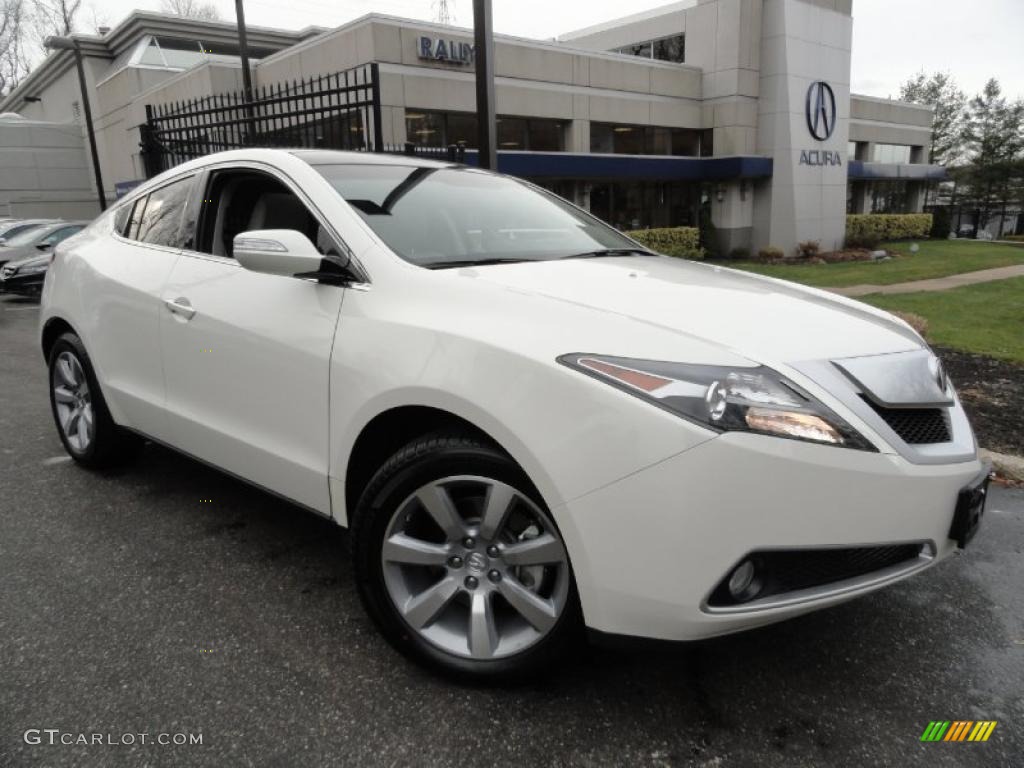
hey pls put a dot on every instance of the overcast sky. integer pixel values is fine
(892, 39)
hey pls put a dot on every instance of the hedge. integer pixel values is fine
(1014, 238)
(681, 242)
(876, 227)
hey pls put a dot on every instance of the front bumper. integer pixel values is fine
(649, 549)
(23, 285)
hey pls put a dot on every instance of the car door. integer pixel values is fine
(123, 301)
(246, 355)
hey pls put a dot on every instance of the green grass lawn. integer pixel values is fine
(987, 319)
(937, 258)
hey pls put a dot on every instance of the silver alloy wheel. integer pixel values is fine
(73, 400)
(475, 567)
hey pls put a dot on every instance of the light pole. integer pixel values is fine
(68, 44)
(483, 45)
(243, 50)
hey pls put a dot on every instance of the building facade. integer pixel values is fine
(733, 111)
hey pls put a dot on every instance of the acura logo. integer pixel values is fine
(821, 110)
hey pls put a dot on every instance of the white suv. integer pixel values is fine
(530, 423)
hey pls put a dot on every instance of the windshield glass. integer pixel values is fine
(448, 216)
(19, 232)
(25, 237)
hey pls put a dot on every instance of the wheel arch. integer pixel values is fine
(391, 428)
(53, 329)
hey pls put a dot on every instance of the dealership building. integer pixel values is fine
(736, 110)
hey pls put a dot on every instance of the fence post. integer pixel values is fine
(378, 126)
(150, 149)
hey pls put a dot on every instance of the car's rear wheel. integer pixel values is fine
(84, 424)
(460, 564)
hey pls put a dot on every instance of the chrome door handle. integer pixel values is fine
(180, 306)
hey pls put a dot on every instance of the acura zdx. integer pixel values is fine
(530, 423)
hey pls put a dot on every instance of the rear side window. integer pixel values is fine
(121, 216)
(160, 223)
(136, 218)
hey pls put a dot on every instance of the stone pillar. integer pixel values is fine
(732, 215)
(802, 44)
(577, 137)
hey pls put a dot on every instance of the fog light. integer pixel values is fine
(743, 583)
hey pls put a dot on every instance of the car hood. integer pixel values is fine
(762, 319)
(18, 253)
(31, 261)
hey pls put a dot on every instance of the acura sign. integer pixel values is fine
(821, 110)
(821, 122)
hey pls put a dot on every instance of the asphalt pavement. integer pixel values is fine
(166, 598)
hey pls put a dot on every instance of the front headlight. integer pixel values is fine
(725, 399)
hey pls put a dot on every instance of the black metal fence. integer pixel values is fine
(339, 111)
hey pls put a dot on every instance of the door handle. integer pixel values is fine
(180, 306)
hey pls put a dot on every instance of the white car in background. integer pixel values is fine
(530, 423)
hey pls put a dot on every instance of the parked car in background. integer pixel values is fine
(25, 277)
(530, 422)
(40, 238)
(12, 227)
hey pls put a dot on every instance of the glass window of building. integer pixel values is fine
(891, 153)
(511, 133)
(672, 48)
(440, 129)
(607, 138)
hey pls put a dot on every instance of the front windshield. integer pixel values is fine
(25, 237)
(17, 232)
(445, 216)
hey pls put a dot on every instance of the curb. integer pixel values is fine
(1010, 467)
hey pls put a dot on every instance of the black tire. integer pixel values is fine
(110, 444)
(422, 461)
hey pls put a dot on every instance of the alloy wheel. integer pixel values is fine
(475, 567)
(73, 401)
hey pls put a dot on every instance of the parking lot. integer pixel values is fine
(169, 598)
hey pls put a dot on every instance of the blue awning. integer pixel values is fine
(571, 165)
(862, 171)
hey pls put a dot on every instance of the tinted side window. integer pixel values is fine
(161, 219)
(136, 218)
(121, 216)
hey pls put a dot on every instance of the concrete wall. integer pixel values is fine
(531, 78)
(884, 121)
(46, 172)
(802, 42)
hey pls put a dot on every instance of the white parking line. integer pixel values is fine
(55, 460)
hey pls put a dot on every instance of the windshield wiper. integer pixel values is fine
(603, 252)
(472, 263)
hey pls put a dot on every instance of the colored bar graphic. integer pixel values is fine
(935, 730)
(958, 730)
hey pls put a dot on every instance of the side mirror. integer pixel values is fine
(285, 252)
(44, 246)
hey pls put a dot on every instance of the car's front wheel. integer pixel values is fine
(460, 564)
(84, 424)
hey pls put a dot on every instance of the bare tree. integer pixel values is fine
(54, 17)
(191, 9)
(14, 63)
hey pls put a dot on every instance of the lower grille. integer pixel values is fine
(782, 571)
(916, 426)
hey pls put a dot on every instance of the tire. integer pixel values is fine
(500, 643)
(90, 437)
